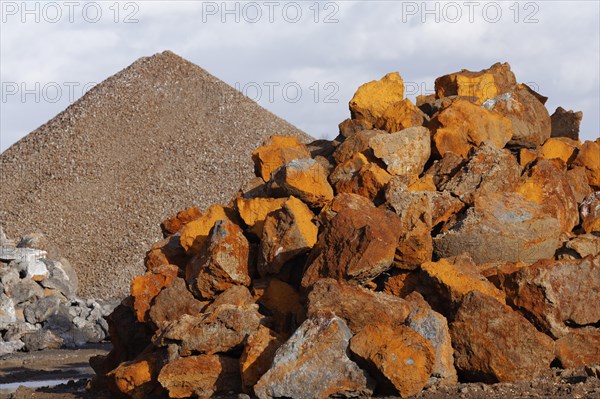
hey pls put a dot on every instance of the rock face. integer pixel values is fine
(371, 234)
(589, 159)
(314, 363)
(458, 243)
(501, 227)
(404, 152)
(222, 262)
(399, 358)
(464, 125)
(557, 294)
(372, 99)
(495, 344)
(483, 85)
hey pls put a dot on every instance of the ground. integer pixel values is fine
(72, 366)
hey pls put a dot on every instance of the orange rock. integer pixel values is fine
(369, 180)
(284, 304)
(400, 283)
(173, 302)
(405, 152)
(399, 358)
(485, 84)
(224, 325)
(464, 125)
(221, 263)
(357, 246)
(137, 378)
(562, 148)
(546, 184)
(175, 223)
(527, 156)
(557, 294)
(425, 183)
(579, 347)
(579, 183)
(528, 116)
(288, 232)
(355, 144)
(146, 287)
(342, 201)
(373, 98)
(350, 126)
(167, 251)
(305, 179)
(589, 158)
(276, 152)
(358, 306)
(454, 282)
(399, 116)
(493, 343)
(590, 213)
(254, 211)
(258, 355)
(195, 233)
(202, 376)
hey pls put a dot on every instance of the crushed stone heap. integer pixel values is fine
(97, 179)
(456, 239)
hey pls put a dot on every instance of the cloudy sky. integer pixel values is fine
(302, 60)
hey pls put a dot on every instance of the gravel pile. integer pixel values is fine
(159, 136)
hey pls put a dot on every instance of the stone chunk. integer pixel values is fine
(589, 158)
(276, 152)
(399, 116)
(356, 246)
(590, 213)
(373, 98)
(221, 263)
(194, 234)
(314, 364)
(566, 123)
(399, 358)
(175, 223)
(493, 343)
(305, 179)
(405, 152)
(254, 211)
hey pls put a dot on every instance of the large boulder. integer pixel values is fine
(463, 125)
(589, 158)
(399, 358)
(356, 246)
(485, 84)
(305, 179)
(501, 227)
(372, 99)
(493, 343)
(405, 152)
(314, 364)
(221, 263)
(557, 294)
(276, 152)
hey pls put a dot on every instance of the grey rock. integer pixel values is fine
(10, 253)
(10, 347)
(8, 276)
(16, 331)
(565, 123)
(41, 310)
(62, 277)
(8, 315)
(42, 339)
(314, 363)
(25, 290)
(501, 227)
(580, 247)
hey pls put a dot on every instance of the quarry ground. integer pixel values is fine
(72, 366)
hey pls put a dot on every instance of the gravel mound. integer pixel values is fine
(157, 137)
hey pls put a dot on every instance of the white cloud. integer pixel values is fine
(560, 53)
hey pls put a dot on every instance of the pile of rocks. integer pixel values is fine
(457, 239)
(38, 306)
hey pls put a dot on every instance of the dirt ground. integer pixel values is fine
(72, 366)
